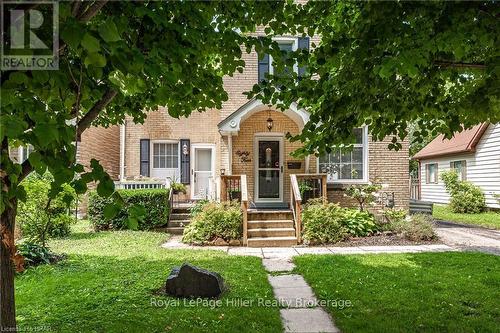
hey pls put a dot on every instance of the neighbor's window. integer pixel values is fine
(432, 173)
(165, 155)
(348, 165)
(286, 46)
(460, 167)
(24, 152)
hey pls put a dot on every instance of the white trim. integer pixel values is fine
(285, 40)
(270, 137)
(194, 146)
(232, 123)
(122, 152)
(366, 160)
(230, 154)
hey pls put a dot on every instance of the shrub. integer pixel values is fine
(154, 202)
(465, 196)
(35, 254)
(41, 217)
(358, 223)
(198, 207)
(395, 214)
(215, 220)
(322, 223)
(363, 194)
(419, 228)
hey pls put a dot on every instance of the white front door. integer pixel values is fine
(202, 171)
(268, 152)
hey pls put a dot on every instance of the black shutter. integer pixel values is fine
(185, 161)
(303, 44)
(263, 66)
(144, 157)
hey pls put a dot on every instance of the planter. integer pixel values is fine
(236, 195)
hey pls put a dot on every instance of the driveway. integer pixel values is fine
(468, 237)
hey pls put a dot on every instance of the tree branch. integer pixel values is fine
(91, 11)
(90, 116)
(459, 64)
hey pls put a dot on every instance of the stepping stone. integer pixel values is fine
(307, 320)
(278, 265)
(292, 291)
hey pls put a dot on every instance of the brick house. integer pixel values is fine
(247, 138)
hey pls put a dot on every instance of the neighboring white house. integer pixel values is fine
(474, 153)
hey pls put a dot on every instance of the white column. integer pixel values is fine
(230, 154)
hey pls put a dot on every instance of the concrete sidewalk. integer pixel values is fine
(287, 252)
(467, 237)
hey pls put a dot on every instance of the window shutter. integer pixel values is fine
(144, 157)
(303, 44)
(263, 67)
(185, 162)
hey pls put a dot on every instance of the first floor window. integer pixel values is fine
(460, 168)
(347, 163)
(24, 152)
(165, 155)
(432, 173)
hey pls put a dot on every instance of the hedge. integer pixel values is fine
(153, 200)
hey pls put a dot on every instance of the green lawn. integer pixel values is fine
(486, 219)
(107, 284)
(424, 292)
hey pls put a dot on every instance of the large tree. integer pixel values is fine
(115, 59)
(388, 64)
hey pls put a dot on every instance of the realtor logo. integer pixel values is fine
(30, 35)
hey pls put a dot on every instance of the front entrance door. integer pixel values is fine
(202, 171)
(268, 169)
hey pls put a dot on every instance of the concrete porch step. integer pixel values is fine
(178, 223)
(175, 230)
(271, 232)
(265, 224)
(271, 241)
(179, 216)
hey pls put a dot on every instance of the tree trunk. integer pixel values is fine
(7, 250)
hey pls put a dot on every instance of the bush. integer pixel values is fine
(419, 228)
(40, 217)
(322, 223)
(198, 207)
(465, 196)
(153, 200)
(35, 254)
(364, 194)
(358, 223)
(215, 220)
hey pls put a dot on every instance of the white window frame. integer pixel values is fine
(28, 147)
(427, 176)
(285, 40)
(151, 153)
(463, 174)
(365, 178)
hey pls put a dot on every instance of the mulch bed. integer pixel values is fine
(382, 239)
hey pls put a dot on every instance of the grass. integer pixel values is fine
(423, 292)
(108, 284)
(486, 219)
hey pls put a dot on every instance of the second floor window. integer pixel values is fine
(165, 155)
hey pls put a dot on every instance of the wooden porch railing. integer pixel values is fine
(235, 187)
(315, 187)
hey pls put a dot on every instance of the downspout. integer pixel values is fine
(122, 152)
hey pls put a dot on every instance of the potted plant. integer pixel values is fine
(177, 187)
(305, 191)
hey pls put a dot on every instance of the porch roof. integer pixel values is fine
(232, 123)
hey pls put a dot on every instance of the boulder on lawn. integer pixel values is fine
(191, 281)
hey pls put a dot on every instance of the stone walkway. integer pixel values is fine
(287, 252)
(300, 311)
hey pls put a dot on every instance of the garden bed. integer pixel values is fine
(383, 239)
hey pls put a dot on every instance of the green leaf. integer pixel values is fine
(95, 59)
(72, 35)
(110, 210)
(109, 32)
(106, 187)
(90, 43)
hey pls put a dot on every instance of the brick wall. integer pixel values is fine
(386, 167)
(102, 144)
